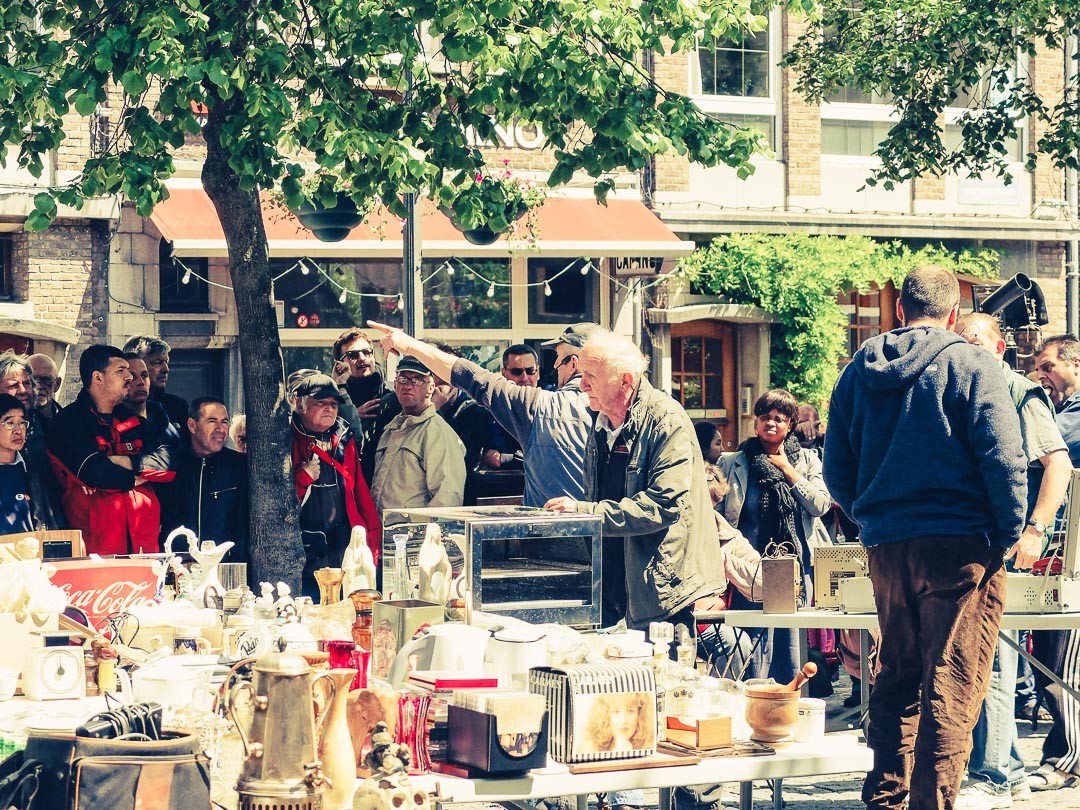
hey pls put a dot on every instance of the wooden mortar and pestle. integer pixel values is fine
(773, 709)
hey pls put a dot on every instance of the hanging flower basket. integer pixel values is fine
(485, 206)
(480, 235)
(330, 224)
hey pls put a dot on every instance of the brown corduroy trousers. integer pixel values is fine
(939, 602)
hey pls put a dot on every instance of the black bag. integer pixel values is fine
(123, 774)
(88, 773)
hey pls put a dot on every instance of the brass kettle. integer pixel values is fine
(281, 739)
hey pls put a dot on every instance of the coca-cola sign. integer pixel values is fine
(105, 587)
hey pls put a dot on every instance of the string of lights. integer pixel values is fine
(307, 265)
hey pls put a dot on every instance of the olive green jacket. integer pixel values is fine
(666, 518)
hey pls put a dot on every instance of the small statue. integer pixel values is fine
(358, 564)
(434, 565)
(386, 757)
(388, 786)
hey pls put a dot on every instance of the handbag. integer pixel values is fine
(137, 772)
(67, 772)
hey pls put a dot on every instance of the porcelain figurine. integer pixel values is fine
(358, 564)
(434, 566)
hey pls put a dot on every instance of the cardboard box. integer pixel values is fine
(61, 543)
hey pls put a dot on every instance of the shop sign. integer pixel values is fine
(104, 587)
(636, 265)
(516, 135)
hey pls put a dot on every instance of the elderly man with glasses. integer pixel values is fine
(420, 461)
(332, 491)
(552, 427)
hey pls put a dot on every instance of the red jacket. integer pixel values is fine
(100, 497)
(344, 455)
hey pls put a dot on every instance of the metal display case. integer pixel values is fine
(529, 563)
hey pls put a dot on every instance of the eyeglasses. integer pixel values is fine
(356, 354)
(411, 382)
(565, 360)
(14, 424)
(517, 372)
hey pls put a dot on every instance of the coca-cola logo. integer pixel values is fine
(115, 597)
(104, 587)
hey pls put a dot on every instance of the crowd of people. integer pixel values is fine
(945, 463)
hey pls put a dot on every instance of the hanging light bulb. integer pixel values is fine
(491, 291)
(344, 295)
(304, 267)
(401, 302)
(547, 289)
(585, 268)
(187, 278)
(449, 269)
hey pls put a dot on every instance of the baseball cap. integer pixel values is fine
(319, 386)
(575, 335)
(410, 363)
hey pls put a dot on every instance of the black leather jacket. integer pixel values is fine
(210, 497)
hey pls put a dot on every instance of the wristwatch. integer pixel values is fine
(1039, 527)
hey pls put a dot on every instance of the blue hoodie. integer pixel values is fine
(923, 439)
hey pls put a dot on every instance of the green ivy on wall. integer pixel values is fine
(798, 278)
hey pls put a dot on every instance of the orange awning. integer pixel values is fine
(567, 226)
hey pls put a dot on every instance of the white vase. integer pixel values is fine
(336, 750)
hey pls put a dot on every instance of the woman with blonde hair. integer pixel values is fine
(620, 722)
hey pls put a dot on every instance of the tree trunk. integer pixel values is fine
(275, 550)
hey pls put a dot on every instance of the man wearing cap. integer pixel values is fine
(333, 494)
(551, 426)
(420, 461)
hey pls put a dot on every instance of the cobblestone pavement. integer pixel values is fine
(842, 792)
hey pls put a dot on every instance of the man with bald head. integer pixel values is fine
(46, 378)
(923, 452)
(995, 768)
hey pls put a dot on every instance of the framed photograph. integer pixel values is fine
(616, 723)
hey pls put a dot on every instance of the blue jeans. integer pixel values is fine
(995, 757)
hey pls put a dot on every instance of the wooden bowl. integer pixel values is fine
(771, 715)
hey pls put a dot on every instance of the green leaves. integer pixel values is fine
(799, 278)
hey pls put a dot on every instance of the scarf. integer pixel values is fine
(777, 507)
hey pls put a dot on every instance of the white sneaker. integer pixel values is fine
(1021, 792)
(981, 796)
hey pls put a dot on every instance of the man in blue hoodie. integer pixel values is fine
(923, 452)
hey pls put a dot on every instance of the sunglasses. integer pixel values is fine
(355, 354)
(517, 372)
(565, 360)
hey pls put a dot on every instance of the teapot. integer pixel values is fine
(202, 578)
(281, 739)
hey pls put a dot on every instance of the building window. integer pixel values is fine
(559, 292)
(735, 80)
(697, 373)
(869, 314)
(176, 294)
(730, 67)
(467, 294)
(7, 275)
(312, 299)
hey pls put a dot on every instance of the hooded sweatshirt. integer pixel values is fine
(924, 440)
